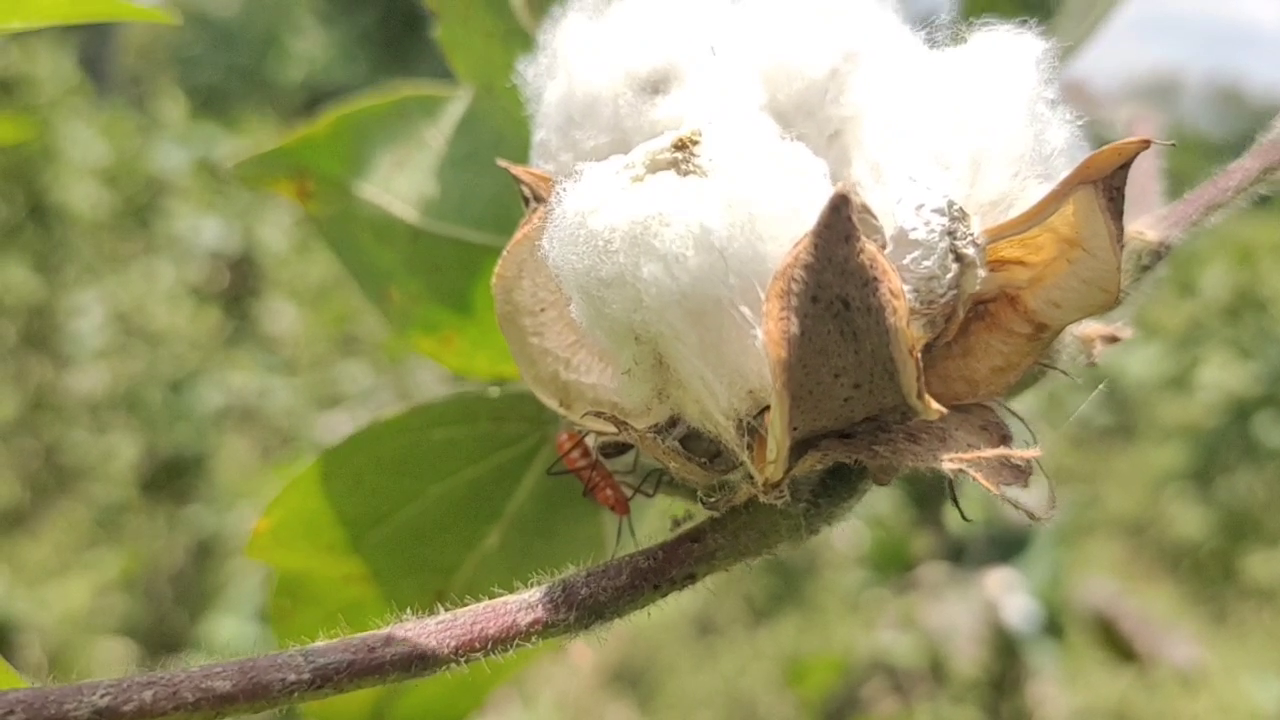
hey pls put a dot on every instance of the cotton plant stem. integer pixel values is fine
(423, 646)
(1151, 238)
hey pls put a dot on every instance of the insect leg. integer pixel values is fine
(954, 497)
(658, 475)
(563, 458)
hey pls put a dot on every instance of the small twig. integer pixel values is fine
(423, 646)
(1150, 239)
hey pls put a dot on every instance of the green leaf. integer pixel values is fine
(401, 183)
(23, 15)
(16, 129)
(481, 39)
(447, 501)
(9, 678)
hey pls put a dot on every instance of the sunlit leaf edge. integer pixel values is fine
(9, 677)
(40, 16)
(383, 93)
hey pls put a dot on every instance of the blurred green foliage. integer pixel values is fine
(249, 61)
(180, 350)
(168, 338)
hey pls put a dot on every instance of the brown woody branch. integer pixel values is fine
(424, 646)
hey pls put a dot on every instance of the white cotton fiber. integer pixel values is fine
(1011, 136)
(982, 122)
(665, 255)
(608, 76)
(811, 56)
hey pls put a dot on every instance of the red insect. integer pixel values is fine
(598, 481)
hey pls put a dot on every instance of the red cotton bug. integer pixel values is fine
(599, 483)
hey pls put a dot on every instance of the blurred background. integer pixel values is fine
(173, 342)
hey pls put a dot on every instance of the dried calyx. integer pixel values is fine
(749, 293)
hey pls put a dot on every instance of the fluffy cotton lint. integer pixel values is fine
(665, 254)
(606, 76)
(980, 121)
(809, 57)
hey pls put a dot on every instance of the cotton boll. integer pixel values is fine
(665, 254)
(605, 76)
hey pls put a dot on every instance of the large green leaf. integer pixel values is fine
(402, 185)
(23, 15)
(9, 678)
(449, 500)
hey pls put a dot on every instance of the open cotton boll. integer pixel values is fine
(665, 254)
(606, 76)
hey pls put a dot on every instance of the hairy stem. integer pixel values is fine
(423, 646)
(1150, 239)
